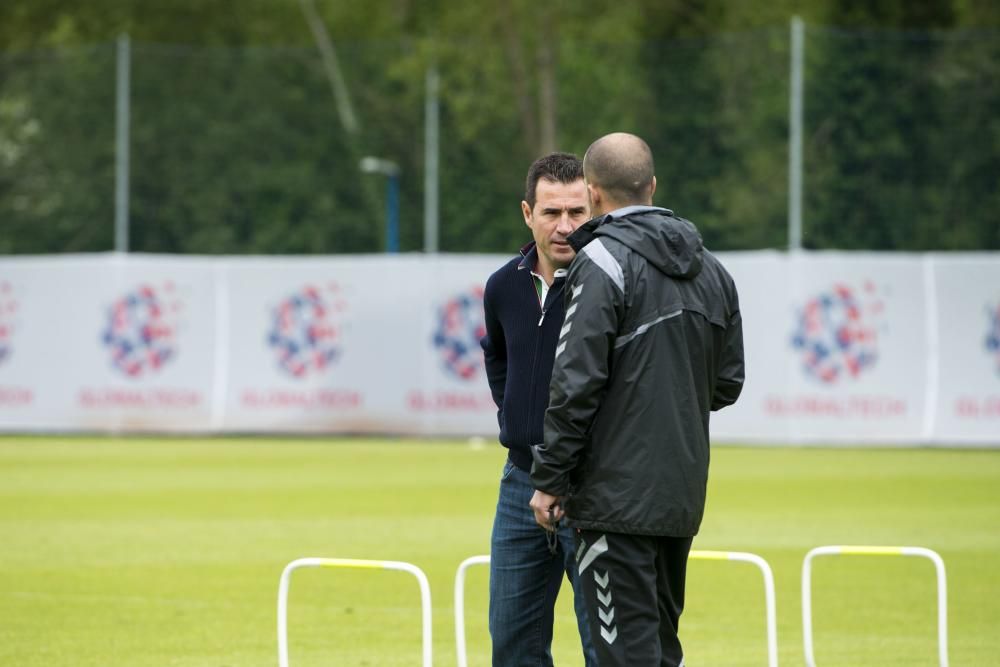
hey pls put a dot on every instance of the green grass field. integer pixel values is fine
(149, 552)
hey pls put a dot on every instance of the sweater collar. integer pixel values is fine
(529, 261)
(529, 257)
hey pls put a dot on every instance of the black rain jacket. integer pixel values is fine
(652, 342)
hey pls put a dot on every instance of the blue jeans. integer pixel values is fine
(525, 577)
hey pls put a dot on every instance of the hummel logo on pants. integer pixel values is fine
(634, 589)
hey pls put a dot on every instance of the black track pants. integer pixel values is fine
(634, 589)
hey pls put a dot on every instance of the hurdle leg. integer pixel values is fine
(460, 605)
(769, 596)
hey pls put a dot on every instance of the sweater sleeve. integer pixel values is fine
(594, 307)
(494, 345)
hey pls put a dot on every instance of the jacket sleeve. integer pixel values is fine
(594, 304)
(729, 382)
(494, 347)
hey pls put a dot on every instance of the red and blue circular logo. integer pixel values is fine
(8, 308)
(305, 334)
(993, 334)
(461, 323)
(837, 332)
(141, 330)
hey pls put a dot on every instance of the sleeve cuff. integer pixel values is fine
(543, 477)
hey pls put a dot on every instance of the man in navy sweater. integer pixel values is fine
(524, 307)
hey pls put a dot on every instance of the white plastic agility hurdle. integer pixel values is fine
(942, 587)
(769, 602)
(769, 597)
(286, 577)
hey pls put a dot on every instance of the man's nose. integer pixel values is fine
(565, 226)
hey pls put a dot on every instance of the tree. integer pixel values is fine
(237, 146)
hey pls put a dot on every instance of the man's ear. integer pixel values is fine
(652, 189)
(594, 193)
(526, 212)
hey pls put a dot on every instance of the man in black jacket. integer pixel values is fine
(652, 342)
(524, 313)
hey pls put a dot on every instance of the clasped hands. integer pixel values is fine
(548, 509)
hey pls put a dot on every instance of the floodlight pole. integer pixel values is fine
(122, 95)
(373, 165)
(392, 212)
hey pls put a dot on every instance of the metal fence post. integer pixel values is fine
(122, 120)
(431, 161)
(795, 136)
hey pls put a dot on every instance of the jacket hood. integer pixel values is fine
(671, 244)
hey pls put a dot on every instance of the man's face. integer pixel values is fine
(559, 209)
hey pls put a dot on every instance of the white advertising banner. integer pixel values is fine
(294, 336)
(450, 395)
(109, 343)
(967, 348)
(359, 345)
(766, 331)
(32, 332)
(855, 340)
(840, 347)
(834, 347)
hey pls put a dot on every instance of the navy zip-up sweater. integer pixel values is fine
(519, 348)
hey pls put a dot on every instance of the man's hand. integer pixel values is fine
(548, 509)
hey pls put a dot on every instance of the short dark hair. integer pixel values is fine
(558, 167)
(622, 165)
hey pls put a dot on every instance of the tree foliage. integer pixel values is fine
(237, 146)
